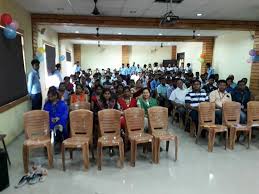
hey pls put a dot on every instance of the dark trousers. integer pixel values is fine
(218, 116)
(194, 115)
(36, 100)
(182, 112)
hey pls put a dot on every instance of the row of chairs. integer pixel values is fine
(36, 125)
(231, 122)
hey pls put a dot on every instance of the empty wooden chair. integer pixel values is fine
(80, 105)
(135, 131)
(253, 114)
(158, 122)
(231, 118)
(207, 121)
(81, 126)
(109, 124)
(36, 125)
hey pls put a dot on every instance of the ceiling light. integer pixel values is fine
(160, 34)
(77, 32)
(199, 14)
(119, 33)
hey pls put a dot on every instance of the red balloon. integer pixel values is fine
(6, 19)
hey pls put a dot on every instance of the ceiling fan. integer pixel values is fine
(95, 11)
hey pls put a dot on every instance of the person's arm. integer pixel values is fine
(29, 83)
(139, 103)
(188, 101)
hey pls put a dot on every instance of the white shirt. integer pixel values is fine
(169, 69)
(178, 95)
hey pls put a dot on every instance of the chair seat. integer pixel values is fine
(163, 135)
(110, 140)
(75, 142)
(141, 137)
(44, 141)
(216, 128)
(240, 127)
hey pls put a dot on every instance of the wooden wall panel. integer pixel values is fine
(254, 79)
(126, 52)
(77, 52)
(207, 49)
(174, 52)
(34, 38)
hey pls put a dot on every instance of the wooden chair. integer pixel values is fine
(36, 125)
(253, 114)
(207, 121)
(135, 132)
(256, 98)
(158, 122)
(81, 125)
(231, 118)
(109, 125)
(80, 105)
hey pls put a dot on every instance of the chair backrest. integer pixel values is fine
(256, 98)
(109, 122)
(231, 113)
(134, 120)
(36, 124)
(80, 105)
(206, 113)
(253, 113)
(81, 123)
(158, 118)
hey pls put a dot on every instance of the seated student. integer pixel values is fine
(162, 92)
(79, 95)
(193, 99)
(241, 95)
(245, 81)
(107, 83)
(154, 83)
(209, 87)
(96, 95)
(229, 81)
(210, 70)
(178, 98)
(125, 102)
(220, 96)
(86, 88)
(57, 73)
(63, 93)
(69, 85)
(137, 89)
(203, 80)
(58, 115)
(119, 91)
(121, 81)
(233, 85)
(146, 102)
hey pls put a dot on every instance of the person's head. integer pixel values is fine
(53, 94)
(182, 64)
(58, 66)
(132, 83)
(62, 87)
(146, 93)
(107, 94)
(122, 65)
(208, 65)
(99, 90)
(119, 78)
(162, 81)
(196, 85)
(241, 85)
(211, 80)
(180, 83)
(67, 79)
(216, 77)
(156, 76)
(145, 66)
(203, 77)
(138, 84)
(137, 65)
(188, 64)
(229, 81)
(120, 89)
(35, 64)
(197, 74)
(77, 63)
(149, 65)
(79, 88)
(107, 77)
(232, 77)
(244, 80)
(222, 85)
(126, 92)
(97, 82)
(128, 65)
(77, 74)
(169, 65)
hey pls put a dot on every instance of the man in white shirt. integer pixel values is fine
(177, 97)
(188, 68)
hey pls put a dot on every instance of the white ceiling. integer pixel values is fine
(134, 31)
(211, 9)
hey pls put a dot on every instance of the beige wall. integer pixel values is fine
(231, 54)
(11, 121)
(67, 67)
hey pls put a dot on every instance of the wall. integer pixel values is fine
(102, 57)
(67, 67)
(231, 54)
(192, 52)
(11, 121)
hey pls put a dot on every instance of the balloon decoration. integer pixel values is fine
(62, 58)
(253, 57)
(14, 25)
(252, 53)
(41, 50)
(6, 19)
(9, 32)
(40, 58)
(39, 54)
(202, 58)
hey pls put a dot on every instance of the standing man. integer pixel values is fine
(77, 67)
(33, 85)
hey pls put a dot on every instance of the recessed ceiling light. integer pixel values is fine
(199, 14)
(119, 33)
(160, 34)
(198, 34)
(77, 32)
(133, 11)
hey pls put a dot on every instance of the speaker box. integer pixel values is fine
(4, 177)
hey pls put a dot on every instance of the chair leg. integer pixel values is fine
(121, 148)
(176, 148)
(154, 150)
(211, 140)
(249, 138)
(233, 138)
(6, 151)
(63, 156)
(85, 153)
(132, 153)
(92, 150)
(167, 145)
(198, 134)
(157, 150)
(99, 155)
(71, 154)
(50, 155)
(226, 140)
(25, 159)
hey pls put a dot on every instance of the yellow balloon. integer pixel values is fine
(41, 50)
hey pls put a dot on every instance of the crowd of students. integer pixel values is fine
(135, 86)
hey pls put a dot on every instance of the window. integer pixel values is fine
(50, 58)
(68, 56)
(13, 85)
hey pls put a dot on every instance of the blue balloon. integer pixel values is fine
(9, 32)
(62, 58)
(40, 58)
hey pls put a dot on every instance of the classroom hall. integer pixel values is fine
(129, 96)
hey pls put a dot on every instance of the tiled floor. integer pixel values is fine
(196, 171)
